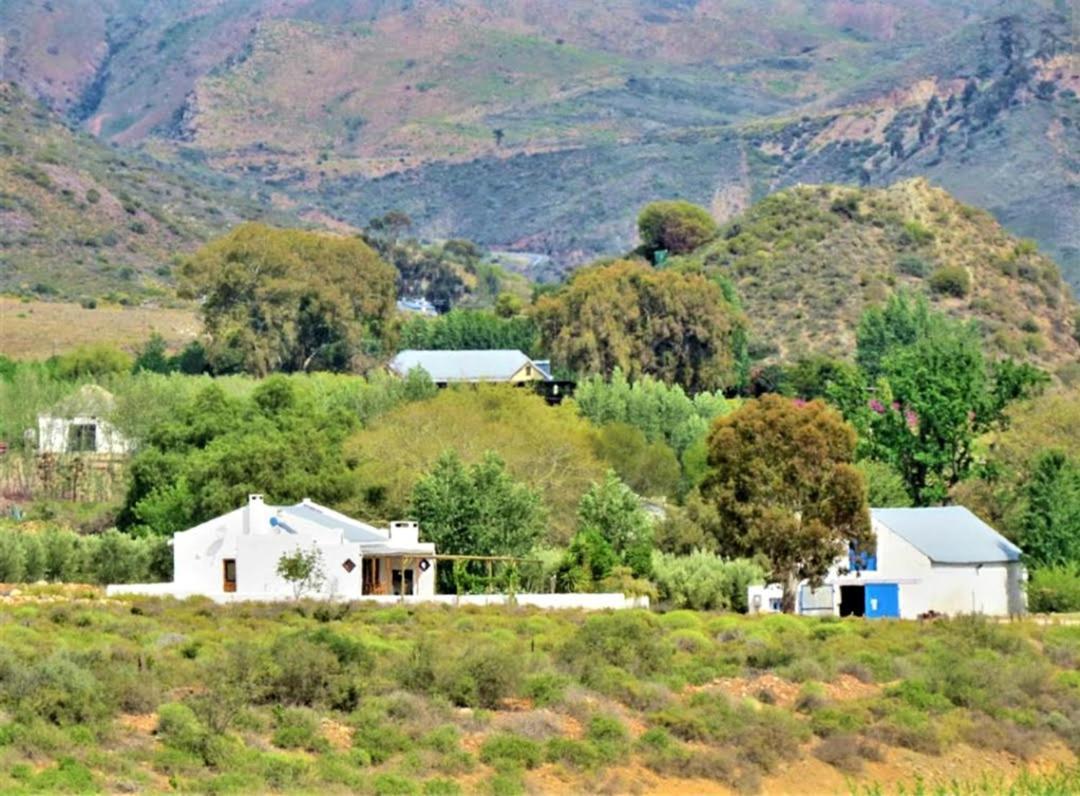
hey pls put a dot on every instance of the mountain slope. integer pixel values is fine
(808, 260)
(78, 218)
(542, 125)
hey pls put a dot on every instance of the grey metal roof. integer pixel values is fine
(444, 366)
(948, 535)
(354, 531)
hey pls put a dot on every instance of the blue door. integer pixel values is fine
(882, 600)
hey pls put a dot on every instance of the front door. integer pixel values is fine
(370, 583)
(229, 574)
(883, 600)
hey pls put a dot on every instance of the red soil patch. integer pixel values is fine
(784, 692)
(142, 723)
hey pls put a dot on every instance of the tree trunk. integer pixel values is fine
(791, 587)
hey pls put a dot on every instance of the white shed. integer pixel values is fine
(941, 560)
(77, 424)
(235, 556)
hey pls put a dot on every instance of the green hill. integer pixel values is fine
(79, 218)
(808, 260)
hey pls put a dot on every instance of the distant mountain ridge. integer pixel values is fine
(542, 125)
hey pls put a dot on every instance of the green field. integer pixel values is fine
(149, 695)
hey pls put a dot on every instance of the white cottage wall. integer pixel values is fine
(971, 588)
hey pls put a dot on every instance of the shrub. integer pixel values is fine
(395, 785)
(913, 266)
(578, 754)
(483, 677)
(829, 721)
(1054, 590)
(298, 729)
(180, 728)
(630, 640)
(951, 280)
(609, 736)
(306, 672)
(703, 581)
(379, 740)
(545, 688)
(502, 750)
(911, 729)
(811, 697)
(59, 690)
(846, 752)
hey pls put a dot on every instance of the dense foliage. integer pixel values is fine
(679, 328)
(290, 300)
(549, 449)
(478, 510)
(676, 227)
(784, 486)
(469, 330)
(284, 440)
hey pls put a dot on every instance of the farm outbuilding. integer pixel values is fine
(942, 560)
(78, 424)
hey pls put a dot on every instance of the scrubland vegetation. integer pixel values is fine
(155, 695)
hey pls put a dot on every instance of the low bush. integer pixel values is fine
(574, 753)
(829, 721)
(951, 280)
(297, 728)
(847, 752)
(629, 640)
(504, 750)
(545, 688)
(1054, 590)
(482, 677)
(609, 736)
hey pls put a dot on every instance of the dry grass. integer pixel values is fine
(38, 329)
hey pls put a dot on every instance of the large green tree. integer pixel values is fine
(290, 300)
(477, 509)
(678, 327)
(675, 226)
(931, 393)
(784, 486)
(1050, 520)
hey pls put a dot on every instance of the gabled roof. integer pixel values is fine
(90, 400)
(948, 535)
(445, 366)
(354, 530)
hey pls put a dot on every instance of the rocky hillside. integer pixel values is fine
(81, 219)
(808, 260)
(538, 126)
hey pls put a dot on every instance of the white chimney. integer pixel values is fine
(257, 515)
(404, 532)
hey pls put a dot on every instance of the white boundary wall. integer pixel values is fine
(588, 602)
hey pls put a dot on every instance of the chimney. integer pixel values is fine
(257, 515)
(404, 532)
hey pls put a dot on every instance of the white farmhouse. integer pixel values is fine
(77, 424)
(235, 556)
(925, 560)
